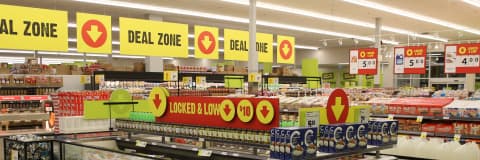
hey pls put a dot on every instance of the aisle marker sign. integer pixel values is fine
(462, 58)
(33, 29)
(206, 42)
(264, 47)
(285, 49)
(94, 33)
(153, 38)
(410, 59)
(363, 61)
(235, 45)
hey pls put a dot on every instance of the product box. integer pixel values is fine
(274, 152)
(372, 132)
(384, 132)
(361, 131)
(322, 136)
(351, 137)
(337, 139)
(292, 143)
(310, 137)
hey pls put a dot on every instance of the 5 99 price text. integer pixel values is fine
(367, 64)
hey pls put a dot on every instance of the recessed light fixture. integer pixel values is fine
(222, 17)
(412, 15)
(330, 18)
(473, 2)
(340, 42)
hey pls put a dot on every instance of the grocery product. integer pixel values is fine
(463, 109)
(293, 143)
(383, 132)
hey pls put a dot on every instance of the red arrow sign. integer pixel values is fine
(206, 42)
(94, 33)
(286, 49)
(337, 99)
(157, 101)
(227, 109)
(264, 111)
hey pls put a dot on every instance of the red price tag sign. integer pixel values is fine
(462, 58)
(410, 59)
(364, 61)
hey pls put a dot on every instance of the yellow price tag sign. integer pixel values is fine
(254, 77)
(227, 110)
(264, 112)
(423, 135)
(245, 111)
(390, 116)
(187, 80)
(419, 119)
(457, 137)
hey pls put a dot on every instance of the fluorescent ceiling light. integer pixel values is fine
(219, 17)
(97, 55)
(167, 58)
(191, 55)
(73, 25)
(412, 15)
(330, 18)
(473, 2)
(124, 56)
(343, 63)
(17, 51)
(60, 53)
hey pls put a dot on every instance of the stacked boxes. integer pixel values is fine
(382, 132)
(293, 143)
(335, 138)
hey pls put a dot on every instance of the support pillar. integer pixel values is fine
(252, 49)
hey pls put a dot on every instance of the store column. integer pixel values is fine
(470, 82)
(378, 45)
(153, 63)
(252, 51)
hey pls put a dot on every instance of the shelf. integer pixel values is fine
(445, 135)
(428, 118)
(27, 87)
(193, 137)
(39, 132)
(289, 111)
(24, 116)
(131, 76)
(321, 155)
(293, 79)
(180, 151)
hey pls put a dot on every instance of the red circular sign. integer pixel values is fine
(201, 40)
(94, 33)
(337, 102)
(289, 46)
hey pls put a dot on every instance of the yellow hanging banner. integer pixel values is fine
(285, 49)
(235, 45)
(153, 38)
(206, 42)
(94, 33)
(264, 47)
(33, 29)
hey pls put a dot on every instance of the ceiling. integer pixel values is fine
(453, 11)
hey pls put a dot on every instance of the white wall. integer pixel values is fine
(324, 56)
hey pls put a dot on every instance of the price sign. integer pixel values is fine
(457, 137)
(170, 75)
(140, 143)
(423, 135)
(204, 153)
(410, 59)
(254, 77)
(272, 80)
(312, 119)
(245, 111)
(363, 61)
(419, 119)
(462, 58)
(390, 117)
